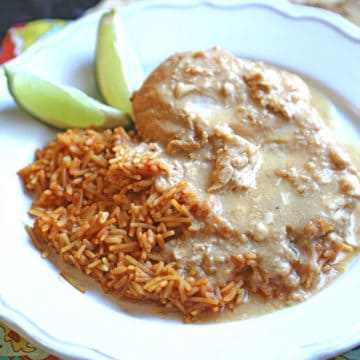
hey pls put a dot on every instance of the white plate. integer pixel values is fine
(36, 301)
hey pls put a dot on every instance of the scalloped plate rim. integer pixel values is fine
(25, 326)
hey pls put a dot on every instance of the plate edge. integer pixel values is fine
(343, 26)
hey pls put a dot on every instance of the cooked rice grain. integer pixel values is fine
(97, 205)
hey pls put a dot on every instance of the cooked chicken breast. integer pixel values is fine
(248, 140)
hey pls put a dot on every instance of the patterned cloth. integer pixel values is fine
(18, 39)
(14, 347)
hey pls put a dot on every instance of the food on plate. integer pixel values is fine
(61, 106)
(231, 189)
(117, 69)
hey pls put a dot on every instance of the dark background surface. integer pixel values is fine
(15, 11)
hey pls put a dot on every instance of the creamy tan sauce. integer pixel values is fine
(354, 152)
(260, 306)
(253, 141)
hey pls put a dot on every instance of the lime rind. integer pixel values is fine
(61, 106)
(117, 68)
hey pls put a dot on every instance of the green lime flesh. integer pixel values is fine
(113, 64)
(61, 106)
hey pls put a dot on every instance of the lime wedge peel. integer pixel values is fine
(117, 68)
(61, 106)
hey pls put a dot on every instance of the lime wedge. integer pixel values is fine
(117, 69)
(61, 106)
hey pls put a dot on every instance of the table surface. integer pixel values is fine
(12, 346)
